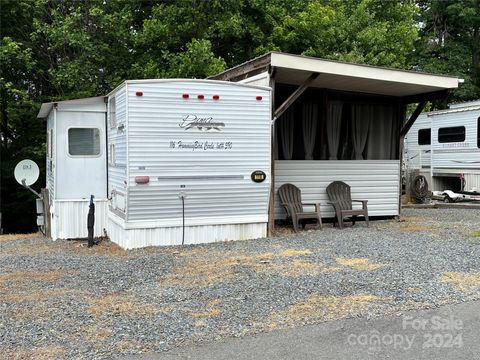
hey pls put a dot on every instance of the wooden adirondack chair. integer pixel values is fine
(340, 198)
(291, 200)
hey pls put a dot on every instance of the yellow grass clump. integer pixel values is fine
(465, 282)
(320, 307)
(13, 237)
(293, 252)
(23, 276)
(361, 264)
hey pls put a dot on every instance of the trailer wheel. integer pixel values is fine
(447, 199)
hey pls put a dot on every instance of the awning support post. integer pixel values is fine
(412, 119)
(271, 204)
(294, 96)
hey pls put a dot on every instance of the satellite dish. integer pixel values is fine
(26, 172)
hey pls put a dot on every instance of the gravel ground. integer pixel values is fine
(62, 300)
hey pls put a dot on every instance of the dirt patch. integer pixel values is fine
(319, 307)
(360, 264)
(465, 282)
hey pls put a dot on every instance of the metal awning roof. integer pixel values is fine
(87, 104)
(295, 70)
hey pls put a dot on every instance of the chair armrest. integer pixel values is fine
(364, 203)
(317, 206)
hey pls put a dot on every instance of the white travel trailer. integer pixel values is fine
(76, 165)
(444, 146)
(188, 162)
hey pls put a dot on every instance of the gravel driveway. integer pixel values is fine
(62, 300)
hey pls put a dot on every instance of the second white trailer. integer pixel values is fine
(188, 162)
(444, 146)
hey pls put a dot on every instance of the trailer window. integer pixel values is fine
(84, 141)
(451, 134)
(112, 115)
(424, 136)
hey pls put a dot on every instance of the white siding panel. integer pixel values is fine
(262, 79)
(462, 155)
(70, 219)
(472, 182)
(374, 180)
(117, 172)
(50, 166)
(165, 236)
(216, 181)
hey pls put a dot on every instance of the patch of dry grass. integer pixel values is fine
(39, 353)
(319, 307)
(293, 252)
(360, 264)
(105, 248)
(414, 228)
(212, 310)
(119, 305)
(207, 271)
(24, 276)
(296, 268)
(283, 231)
(13, 237)
(35, 295)
(465, 282)
(42, 245)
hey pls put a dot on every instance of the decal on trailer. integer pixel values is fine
(202, 124)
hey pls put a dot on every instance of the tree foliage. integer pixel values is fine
(57, 50)
(449, 42)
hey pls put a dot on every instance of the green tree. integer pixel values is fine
(449, 43)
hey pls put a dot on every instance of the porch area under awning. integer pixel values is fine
(333, 120)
